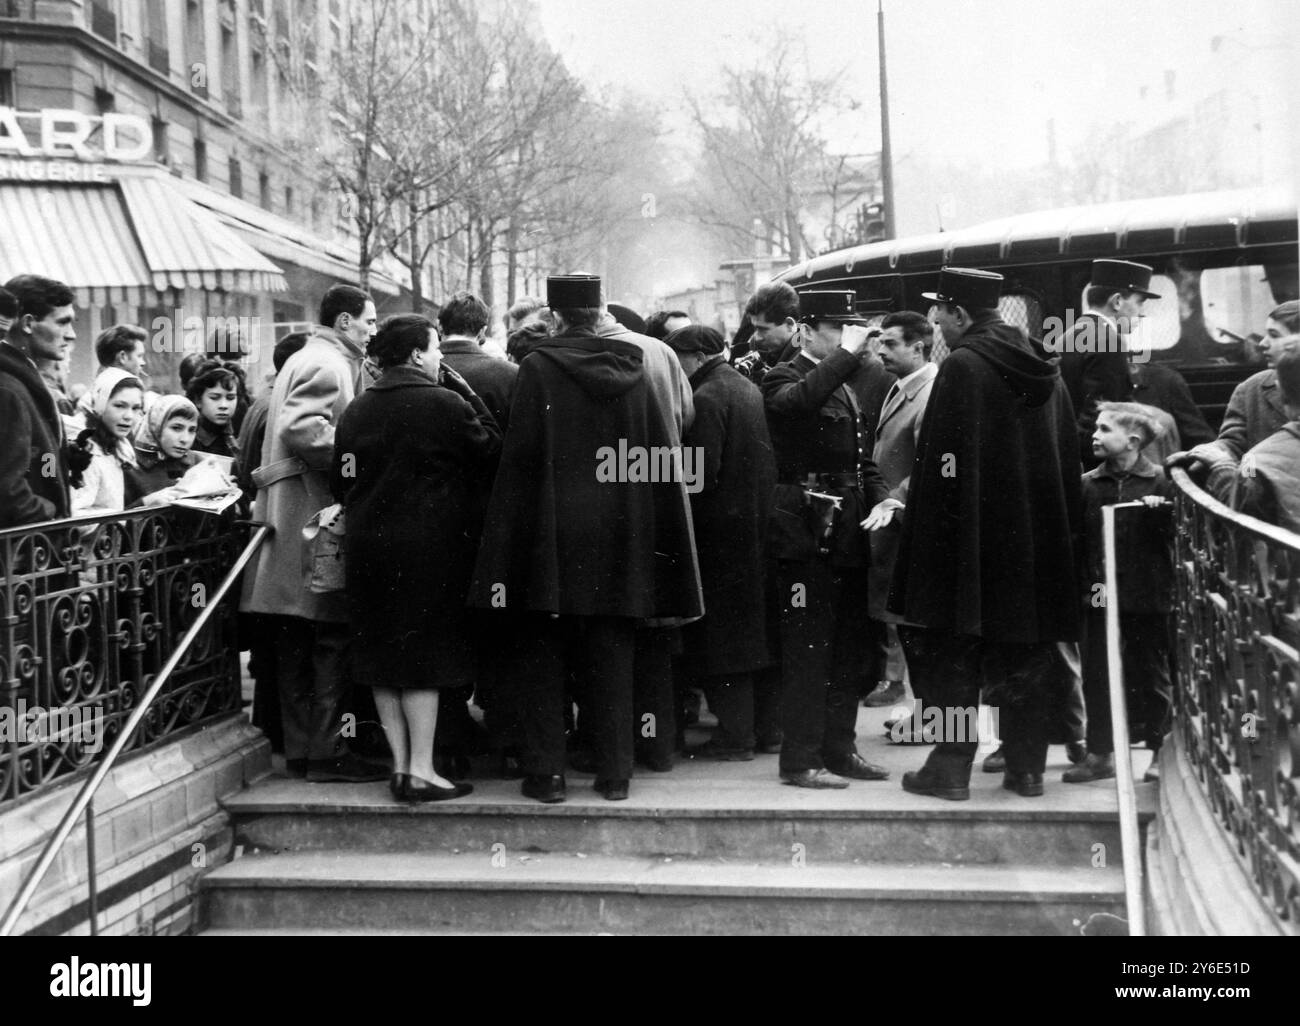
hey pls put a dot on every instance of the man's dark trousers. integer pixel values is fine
(601, 649)
(312, 674)
(953, 668)
(824, 645)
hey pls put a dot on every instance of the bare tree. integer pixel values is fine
(763, 159)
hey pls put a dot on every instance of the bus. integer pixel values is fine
(1222, 261)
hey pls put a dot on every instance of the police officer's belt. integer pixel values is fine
(821, 480)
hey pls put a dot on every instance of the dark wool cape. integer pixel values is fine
(993, 520)
(558, 539)
(731, 514)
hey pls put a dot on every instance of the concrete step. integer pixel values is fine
(761, 822)
(548, 893)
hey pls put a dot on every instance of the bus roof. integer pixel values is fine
(1168, 224)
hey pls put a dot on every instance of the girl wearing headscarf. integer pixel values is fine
(103, 450)
(164, 451)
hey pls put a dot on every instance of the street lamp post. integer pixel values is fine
(886, 151)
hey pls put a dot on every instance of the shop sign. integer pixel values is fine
(67, 146)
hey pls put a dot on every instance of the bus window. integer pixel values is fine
(1023, 311)
(1162, 326)
(1236, 301)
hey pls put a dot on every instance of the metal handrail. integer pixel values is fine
(1129, 838)
(82, 803)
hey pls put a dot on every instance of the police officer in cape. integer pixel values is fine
(827, 487)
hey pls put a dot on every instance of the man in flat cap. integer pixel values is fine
(730, 509)
(986, 560)
(588, 534)
(827, 485)
(1095, 352)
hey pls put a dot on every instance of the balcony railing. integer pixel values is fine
(103, 21)
(90, 611)
(1237, 704)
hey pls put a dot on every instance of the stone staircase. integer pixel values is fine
(711, 848)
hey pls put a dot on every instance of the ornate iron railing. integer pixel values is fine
(90, 610)
(1237, 703)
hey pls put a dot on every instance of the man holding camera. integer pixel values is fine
(827, 486)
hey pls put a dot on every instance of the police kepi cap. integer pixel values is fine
(827, 305)
(965, 286)
(695, 338)
(1122, 276)
(567, 291)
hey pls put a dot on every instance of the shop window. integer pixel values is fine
(7, 88)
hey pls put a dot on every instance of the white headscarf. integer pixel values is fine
(106, 382)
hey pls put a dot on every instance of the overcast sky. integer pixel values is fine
(967, 77)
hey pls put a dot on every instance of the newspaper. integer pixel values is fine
(208, 486)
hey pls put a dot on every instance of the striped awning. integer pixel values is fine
(124, 242)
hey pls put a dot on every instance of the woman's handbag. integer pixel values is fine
(324, 536)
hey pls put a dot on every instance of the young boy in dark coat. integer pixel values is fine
(1145, 579)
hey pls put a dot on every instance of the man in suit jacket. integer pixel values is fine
(827, 483)
(1094, 364)
(905, 347)
(33, 474)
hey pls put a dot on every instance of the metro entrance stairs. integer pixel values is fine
(710, 848)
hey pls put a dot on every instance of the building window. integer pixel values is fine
(200, 160)
(105, 102)
(103, 20)
(264, 189)
(156, 37)
(236, 179)
(288, 200)
(7, 92)
(196, 53)
(161, 145)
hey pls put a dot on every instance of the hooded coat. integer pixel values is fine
(991, 530)
(563, 534)
(731, 511)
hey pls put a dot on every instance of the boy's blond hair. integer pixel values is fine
(1135, 418)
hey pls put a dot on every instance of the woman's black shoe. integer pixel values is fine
(397, 784)
(420, 790)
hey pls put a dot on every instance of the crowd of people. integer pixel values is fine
(583, 532)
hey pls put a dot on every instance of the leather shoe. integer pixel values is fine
(397, 785)
(1094, 767)
(544, 789)
(1027, 785)
(347, 768)
(996, 763)
(612, 790)
(926, 781)
(887, 693)
(815, 778)
(857, 768)
(421, 790)
(1076, 751)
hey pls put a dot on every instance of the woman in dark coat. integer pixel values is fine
(406, 456)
